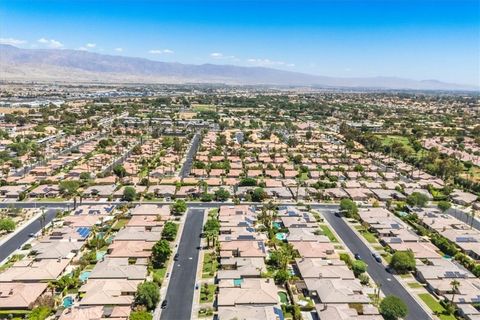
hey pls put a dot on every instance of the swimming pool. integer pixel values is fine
(68, 301)
(237, 282)
(100, 255)
(84, 275)
(277, 225)
(281, 236)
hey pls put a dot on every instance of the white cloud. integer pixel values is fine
(12, 41)
(82, 49)
(161, 51)
(91, 45)
(52, 43)
(118, 49)
(269, 63)
(219, 55)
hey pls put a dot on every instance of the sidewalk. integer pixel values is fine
(17, 230)
(397, 277)
(196, 294)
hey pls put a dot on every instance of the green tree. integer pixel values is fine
(169, 231)
(161, 251)
(349, 208)
(140, 315)
(178, 208)
(392, 308)
(69, 187)
(248, 182)
(281, 276)
(7, 224)
(222, 195)
(39, 313)
(444, 205)
(147, 295)
(403, 261)
(417, 199)
(120, 171)
(129, 194)
(358, 267)
(258, 195)
(364, 279)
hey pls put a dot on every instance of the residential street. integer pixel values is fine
(182, 280)
(389, 285)
(187, 165)
(23, 235)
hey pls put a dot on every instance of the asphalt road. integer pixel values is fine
(187, 165)
(67, 205)
(182, 280)
(22, 236)
(389, 285)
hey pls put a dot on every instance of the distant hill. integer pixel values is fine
(84, 66)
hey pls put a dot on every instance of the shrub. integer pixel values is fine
(147, 295)
(392, 308)
(349, 208)
(364, 279)
(358, 267)
(403, 261)
(140, 315)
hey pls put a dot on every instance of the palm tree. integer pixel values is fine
(455, 285)
(286, 254)
(472, 218)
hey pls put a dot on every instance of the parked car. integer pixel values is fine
(357, 256)
(175, 258)
(31, 235)
(164, 304)
(377, 257)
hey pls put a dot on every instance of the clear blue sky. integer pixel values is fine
(404, 38)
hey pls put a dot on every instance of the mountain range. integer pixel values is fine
(17, 64)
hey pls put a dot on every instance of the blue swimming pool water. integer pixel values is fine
(67, 302)
(277, 225)
(100, 255)
(237, 282)
(84, 275)
(281, 236)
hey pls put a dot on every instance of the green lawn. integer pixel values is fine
(390, 139)
(327, 232)
(50, 199)
(415, 285)
(387, 257)
(120, 224)
(209, 266)
(304, 176)
(435, 306)
(159, 274)
(283, 297)
(370, 237)
(204, 107)
(207, 293)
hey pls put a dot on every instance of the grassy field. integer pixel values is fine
(209, 266)
(435, 306)
(370, 237)
(388, 140)
(415, 285)
(207, 293)
(327, 232)
(120, 224)
(203, 107)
